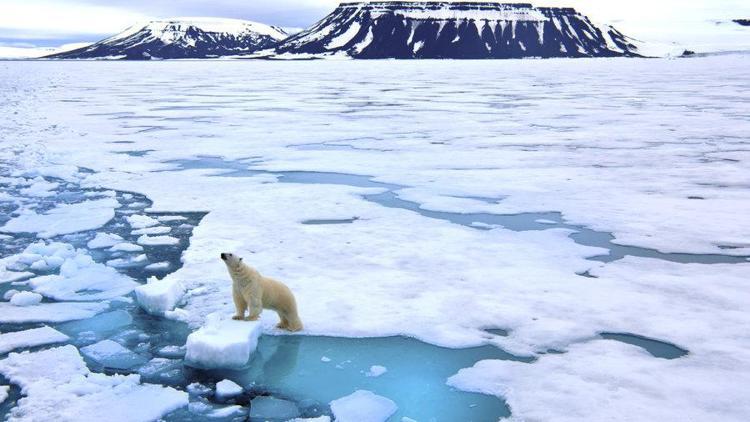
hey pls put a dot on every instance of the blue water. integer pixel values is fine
(656, 348)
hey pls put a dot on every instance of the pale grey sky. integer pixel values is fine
(52, 22)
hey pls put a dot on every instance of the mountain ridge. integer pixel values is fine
(456, 30)
(189, 37)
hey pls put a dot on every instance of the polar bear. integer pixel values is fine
(255, 292)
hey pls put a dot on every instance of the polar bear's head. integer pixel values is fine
(231, 260)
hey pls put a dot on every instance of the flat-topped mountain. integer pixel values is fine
(456, 30)
(181, 38)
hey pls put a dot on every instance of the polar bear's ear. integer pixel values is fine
(241, 259)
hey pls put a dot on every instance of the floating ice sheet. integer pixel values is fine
(30, 338)
(64, 219)
(59, 386)
(363, 406)
(50, 312)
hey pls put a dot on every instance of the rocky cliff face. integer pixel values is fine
(414, 30)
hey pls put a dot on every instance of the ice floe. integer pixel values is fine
(64, 218)
(25, 299)
(57, 382)
(363, 406)
(104, 240)
(223, 344)
(83, 279)
(141, 221)
(147, 240)
(111, 354)
(30, 338)
(50, 312)
(227, 388)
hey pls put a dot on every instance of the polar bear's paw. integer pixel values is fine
(249, 318)
(238, 318)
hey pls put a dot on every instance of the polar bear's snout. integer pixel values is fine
(230, 259)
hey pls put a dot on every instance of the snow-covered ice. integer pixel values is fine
(82, 279)
(4, 390)
(57, 382)
(25, 299)
(50, 312)
(147, 240)
(159, 296)
(64, 219)
(223, 344)
(141, 221)
(104, 240)
(227, 388)
(363, 406)
(652, 151)
(30, 338)
(126, 247)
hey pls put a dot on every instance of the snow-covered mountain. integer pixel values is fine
(182, 38)
(445, 29)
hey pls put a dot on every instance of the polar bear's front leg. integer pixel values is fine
(256, 307)
(239, 305)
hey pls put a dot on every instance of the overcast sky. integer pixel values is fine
(54, 22)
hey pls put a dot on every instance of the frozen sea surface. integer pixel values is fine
(586, 215)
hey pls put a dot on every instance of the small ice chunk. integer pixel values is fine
(376, 371)
(544, 221)
(168, 218)
(158, 266)
(136, 261)
(325, 359)
(147, 240)
(172, 351)
(104, 240)
(141, 221)
(4, 391)
(198, 389)
(323, 418)
(30, 338)
(271, 408)
(225, 411)
(159, 296)
(126, 247)
(49, 312)
(111, 354)
(363, 406)
(227, 388)
(223, 344)
(26, 299)
(9, 294)
(152, 230)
